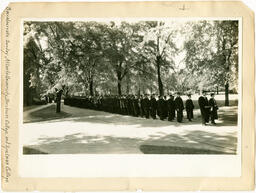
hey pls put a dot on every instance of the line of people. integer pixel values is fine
(148, 106)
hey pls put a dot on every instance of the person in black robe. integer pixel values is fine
(130, 106)
(204, 108)
(189, 108)
(142, 105)
(146, 106)
(153, 106)
(179, 107)
(136, 106)
(139, 104)
(161, 107)
(213, 109)
(58, 99)
(126, 105)
(165, 107)
(171, 108)
(122, 105)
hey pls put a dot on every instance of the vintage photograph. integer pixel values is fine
(130, 86)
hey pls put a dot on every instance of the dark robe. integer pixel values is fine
(142, 107)
(203, 105)
(146, 107)
(126, 106)
(136, 107)
(189, 109)
(58, 100)
(161, 108)
(153, 108)
(165, 109)
(179, 108)
(213, 110)
(130, 107)
(171, 109)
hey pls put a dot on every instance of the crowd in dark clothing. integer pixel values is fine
(138, 106)
(148, 106)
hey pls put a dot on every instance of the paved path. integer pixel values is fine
(97, 132)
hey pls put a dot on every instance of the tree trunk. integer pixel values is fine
(226, 94)
(91, 87)
(160, 84)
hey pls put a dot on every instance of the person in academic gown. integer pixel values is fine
(204, 108)
(58, 99)
(213, 109)
(153, 106)
(179, 107)
(146, 106)
(189, 108)
(161, 108)
(171, 108)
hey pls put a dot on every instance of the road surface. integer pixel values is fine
(86, 131)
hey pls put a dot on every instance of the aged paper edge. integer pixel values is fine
(9, 149)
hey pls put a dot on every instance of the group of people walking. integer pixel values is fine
(149, 106)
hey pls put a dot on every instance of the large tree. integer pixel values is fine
(159, 44)
(212, 54)
(120, 42)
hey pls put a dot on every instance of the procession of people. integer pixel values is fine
(149, 106)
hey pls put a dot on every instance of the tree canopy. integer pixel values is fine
(121, 57)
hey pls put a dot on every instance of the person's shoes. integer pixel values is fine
(213, 123)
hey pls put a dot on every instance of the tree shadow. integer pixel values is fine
(45, 114)
(227, 117)
(189, 142)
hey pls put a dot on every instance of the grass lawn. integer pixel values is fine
(48, 113)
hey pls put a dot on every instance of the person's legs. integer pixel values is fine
(212, 118)
(207, 115)
(153, 113)
(147, 113)
(179, 116)
(203, 117)
(189, 115)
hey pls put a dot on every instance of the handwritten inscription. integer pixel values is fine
(6, 142)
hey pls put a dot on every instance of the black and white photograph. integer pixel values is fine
(131, 86)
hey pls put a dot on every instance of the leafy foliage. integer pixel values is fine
(92, 58)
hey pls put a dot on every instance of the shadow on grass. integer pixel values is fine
(154, 149)
(45, 114)
(29, 150)
(190, 142)
(227, 116)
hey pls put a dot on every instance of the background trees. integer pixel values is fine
(212, 55)
(92, 58)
